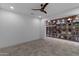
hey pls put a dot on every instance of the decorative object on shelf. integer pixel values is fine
(48, 20)
(58, 22)
(77, 17)
(69, 19)
(63, 21)
(54, 21)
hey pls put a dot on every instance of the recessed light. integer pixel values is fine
(40, 16)
(12, 7)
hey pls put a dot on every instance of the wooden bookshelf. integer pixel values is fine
(64, 28)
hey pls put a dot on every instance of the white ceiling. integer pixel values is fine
(53, 9)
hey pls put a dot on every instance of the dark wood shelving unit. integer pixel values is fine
(64, 28)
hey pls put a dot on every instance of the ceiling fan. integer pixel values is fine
(42, 9)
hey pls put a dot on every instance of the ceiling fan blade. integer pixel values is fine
(35, 9)
(45, 12)
(44, 6)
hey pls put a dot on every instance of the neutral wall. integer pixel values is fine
(43, 28)
(17, 28)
